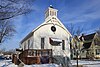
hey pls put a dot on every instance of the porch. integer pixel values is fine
(33, 56)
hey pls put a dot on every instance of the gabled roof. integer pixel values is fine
(64, 27)
(29, 35)
(45, 23)
(87, 40)
(87, 45)
(89, 37)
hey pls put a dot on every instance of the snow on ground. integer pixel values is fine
(86, 63)
(42, 65)
(8, 63)
(91, 65)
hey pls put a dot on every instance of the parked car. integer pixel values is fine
(7, 57)
(2, 57)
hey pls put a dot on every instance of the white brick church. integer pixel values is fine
(51, 34)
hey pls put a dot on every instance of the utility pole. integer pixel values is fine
(77, 56)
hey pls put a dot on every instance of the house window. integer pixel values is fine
(55, 13)
(55, 41)
(28, 44)
(97, 51)
(24, 45)
(63, 45)
(42, 43)
(82, 51)
(50, 12)
(74, 53)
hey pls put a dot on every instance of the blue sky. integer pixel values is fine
(82, 13)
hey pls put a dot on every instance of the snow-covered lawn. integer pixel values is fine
(91, 65)
(86, 63)
(8, 63)
(42, 65)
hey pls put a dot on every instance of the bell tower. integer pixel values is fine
(50, 12)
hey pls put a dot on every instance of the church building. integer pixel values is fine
(51, 34)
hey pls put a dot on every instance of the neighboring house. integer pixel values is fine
(51, 34)
(6, 55)
(88, 46)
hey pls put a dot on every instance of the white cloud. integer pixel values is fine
(88, 11)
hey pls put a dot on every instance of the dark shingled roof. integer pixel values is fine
(89, 39)
(87, 45)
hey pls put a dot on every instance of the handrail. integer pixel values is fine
(20, 60)
(39, 52)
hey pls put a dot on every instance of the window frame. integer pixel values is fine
(42, 42)
(63, 44)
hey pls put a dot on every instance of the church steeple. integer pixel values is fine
(50, 12)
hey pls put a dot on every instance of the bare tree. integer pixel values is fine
(75, 30)
(12, 8)
(71, 28)
(2, 50)
(8, 10)
(79, 30)
(7, 30)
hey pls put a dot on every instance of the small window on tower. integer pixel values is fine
(50, 12)
(46, 15)
(55, 13)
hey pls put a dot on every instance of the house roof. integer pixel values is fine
(87, 45)
(88, 37)
(45, 23)
(87, 40)
(29, 35)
